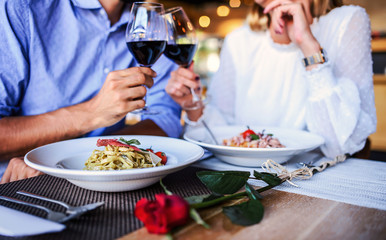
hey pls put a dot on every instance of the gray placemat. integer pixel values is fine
(114, 219)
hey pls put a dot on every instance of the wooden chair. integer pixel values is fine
(365, 152)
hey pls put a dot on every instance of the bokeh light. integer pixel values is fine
(204, 21)
(234, 3)
(223, 11)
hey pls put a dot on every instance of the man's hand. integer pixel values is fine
(122, 92)
(18, 170)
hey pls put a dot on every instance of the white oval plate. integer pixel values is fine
(296, 142)
(66, 159)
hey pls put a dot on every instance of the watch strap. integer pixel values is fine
(319, 57)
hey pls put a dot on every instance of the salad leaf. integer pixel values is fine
(254, 137)
(130, 142)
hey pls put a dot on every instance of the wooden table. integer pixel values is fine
(288, 216)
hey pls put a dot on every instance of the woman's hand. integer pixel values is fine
(293, 18)
(180, 83)
(122, 92)
(18, 170)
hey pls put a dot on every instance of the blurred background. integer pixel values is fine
(214, 19)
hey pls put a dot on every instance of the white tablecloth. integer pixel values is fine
(356, 181)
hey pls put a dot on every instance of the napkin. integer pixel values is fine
(356, 181)
(14, 223)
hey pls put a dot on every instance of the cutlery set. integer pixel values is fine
(70, 213)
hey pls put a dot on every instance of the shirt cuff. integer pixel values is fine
(192, 123)
(321, 81)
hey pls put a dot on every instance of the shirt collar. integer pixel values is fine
(95, 4)
(125, 15)
(88, 4)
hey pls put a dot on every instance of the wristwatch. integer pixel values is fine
(319, 57)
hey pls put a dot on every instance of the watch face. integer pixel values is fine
(324, 54)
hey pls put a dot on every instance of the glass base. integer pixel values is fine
(193, 105)
(146, 111)
(189, 105)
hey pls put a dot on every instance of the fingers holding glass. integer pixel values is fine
(146, 36)
(181, 47)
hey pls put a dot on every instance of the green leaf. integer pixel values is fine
(270, 178)
(254, 137)
(223, 182)
(212, 197)
(165, 189)
(246, 213)
(197, 218)
(202, 198)
(130, 142)
(196, 199)
(252, 193)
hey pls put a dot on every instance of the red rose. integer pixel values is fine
(161, 215)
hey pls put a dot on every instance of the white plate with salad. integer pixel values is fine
(67, 159)
(236, 138)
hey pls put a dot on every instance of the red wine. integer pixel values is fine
(146, 53)
(182, 54)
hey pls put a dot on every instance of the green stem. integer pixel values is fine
(217, 200)
(267, 187)
(228, 197)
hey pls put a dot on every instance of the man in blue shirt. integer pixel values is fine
(66, 72)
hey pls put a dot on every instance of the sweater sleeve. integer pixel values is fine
(341, 104)
(221, 90)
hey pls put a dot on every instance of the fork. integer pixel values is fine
(77, 211)
(308, 164)
(195, 98)
(51, 215)
(210, 132)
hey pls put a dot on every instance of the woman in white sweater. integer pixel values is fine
(303, 64)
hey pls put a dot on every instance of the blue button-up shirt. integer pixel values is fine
(57, 53)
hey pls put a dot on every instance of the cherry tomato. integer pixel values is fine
(150, 150)
(163, 157)
(248, 132)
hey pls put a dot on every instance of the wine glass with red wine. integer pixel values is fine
(181, 47)
(146, 37)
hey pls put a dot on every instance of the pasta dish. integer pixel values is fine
(118, 155)
(250, 139)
